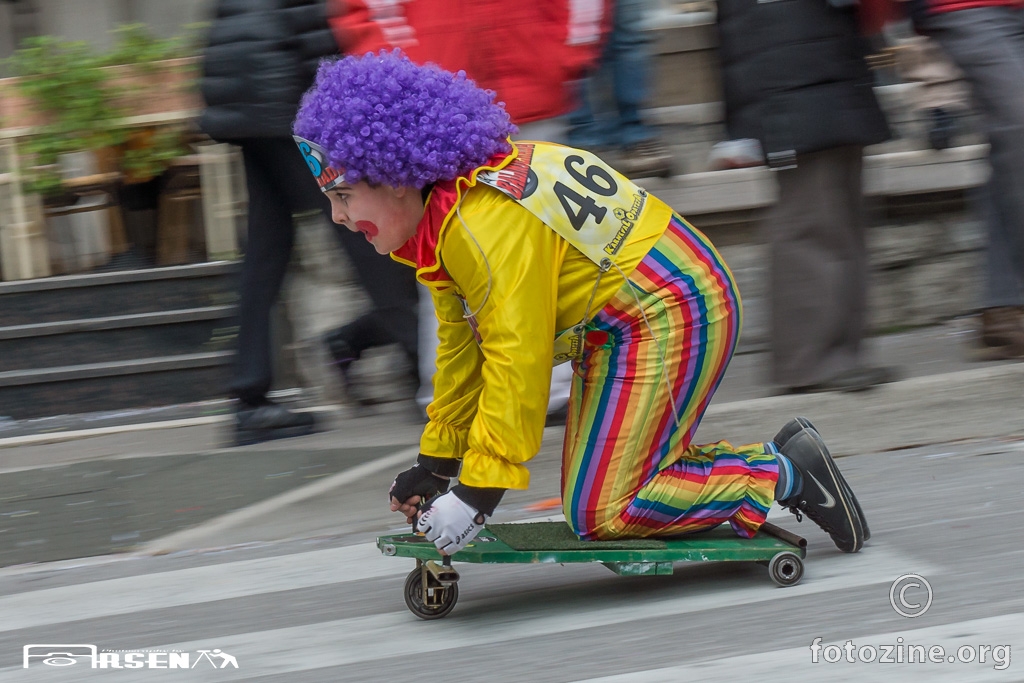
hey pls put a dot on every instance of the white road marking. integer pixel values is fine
(377, 637)
(197, 585)
(796, 663)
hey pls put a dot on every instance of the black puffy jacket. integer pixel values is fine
(794, 77)
(261, 57)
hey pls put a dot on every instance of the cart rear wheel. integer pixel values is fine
(434, 602)
(786, 568)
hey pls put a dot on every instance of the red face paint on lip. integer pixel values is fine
(368, 229)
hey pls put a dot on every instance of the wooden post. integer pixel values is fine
(24, 252)
(220, 208)
(175, 214)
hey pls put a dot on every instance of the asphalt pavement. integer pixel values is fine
(329, 609)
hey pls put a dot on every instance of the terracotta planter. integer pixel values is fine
(15, 108)
(169, 86)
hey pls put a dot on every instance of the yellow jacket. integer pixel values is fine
(524, 283)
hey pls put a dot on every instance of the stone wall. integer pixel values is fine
(926, 256)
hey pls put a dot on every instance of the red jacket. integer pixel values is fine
(874, 14)
(937, 6)
(527, 51)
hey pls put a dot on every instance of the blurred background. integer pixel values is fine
(105, 174)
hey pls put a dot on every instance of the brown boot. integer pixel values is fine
(1002, 334)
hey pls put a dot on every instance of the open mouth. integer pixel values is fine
(368, 229)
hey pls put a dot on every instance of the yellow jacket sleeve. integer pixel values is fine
(457, 384)
(506, 265)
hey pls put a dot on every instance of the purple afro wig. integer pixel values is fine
(385, 120)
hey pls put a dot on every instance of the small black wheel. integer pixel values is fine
(786, 568)
(440, 600)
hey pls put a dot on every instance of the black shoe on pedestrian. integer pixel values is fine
(791, 429)
(267, 421)
(942, 129)
(1001, 336)
(823, 497)
(342, 353)
(856, 379)
(342, 358)
(645, 160)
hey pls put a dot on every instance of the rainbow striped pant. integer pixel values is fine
(653, 357)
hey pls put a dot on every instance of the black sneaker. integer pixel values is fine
(943, 127)
(791, 429)
(342, 354)
(267, 421)
(645, 160)
(342, 358)
(823, 498)
(856, 379)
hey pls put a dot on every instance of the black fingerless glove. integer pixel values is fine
(421, 480)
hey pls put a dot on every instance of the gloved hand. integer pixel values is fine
(413, 486)
(450, 523)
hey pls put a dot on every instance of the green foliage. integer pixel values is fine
(134, 44)
(65, 84)
(153, 158)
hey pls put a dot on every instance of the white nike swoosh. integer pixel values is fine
(830, 502)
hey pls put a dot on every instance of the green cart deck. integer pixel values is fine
(431, 590)
(553, 542)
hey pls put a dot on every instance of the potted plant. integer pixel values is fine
(72, 127)
(69, 109)
(155, 77)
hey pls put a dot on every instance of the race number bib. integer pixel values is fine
(590, 204)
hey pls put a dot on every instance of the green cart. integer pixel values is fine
(432, 589)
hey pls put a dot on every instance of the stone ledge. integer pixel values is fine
(885, 175)
(19, 378)
(977, 403)
(194, 270)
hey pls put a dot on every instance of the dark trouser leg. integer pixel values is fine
(629, 52)
(279, 185)
(818, 268)
(1003, 280)
(987, 43)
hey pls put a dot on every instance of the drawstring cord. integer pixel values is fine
(602, 268)
(487, 295)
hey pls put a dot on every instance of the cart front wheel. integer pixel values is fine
(786, 568)
(428, 599)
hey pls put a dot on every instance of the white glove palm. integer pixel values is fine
(450, 523)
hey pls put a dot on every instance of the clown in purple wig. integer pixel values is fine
(536, 253)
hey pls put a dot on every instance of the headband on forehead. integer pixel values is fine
(316, 160)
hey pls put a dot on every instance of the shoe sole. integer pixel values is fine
(249, 437)
(851, 514)
(791, 429)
